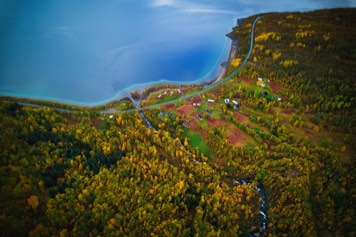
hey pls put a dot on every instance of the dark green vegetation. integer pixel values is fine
(88, 175)
(121, 104)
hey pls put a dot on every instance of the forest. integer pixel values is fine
(85, 173)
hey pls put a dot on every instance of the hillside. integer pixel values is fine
(291, 136)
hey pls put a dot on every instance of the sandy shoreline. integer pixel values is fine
(146, 90)
(220, 76)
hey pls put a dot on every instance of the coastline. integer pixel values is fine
(146, 90)
(224, 65)
(136, 94)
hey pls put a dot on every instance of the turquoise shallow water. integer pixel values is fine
(90, 52)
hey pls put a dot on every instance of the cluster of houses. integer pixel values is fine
(261, 82)
(200, 116)
(198, 104)
(227, 101)
(233, 103)
(230, 103)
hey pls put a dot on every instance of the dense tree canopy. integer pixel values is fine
(86, 174)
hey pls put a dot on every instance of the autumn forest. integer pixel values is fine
(290, 134)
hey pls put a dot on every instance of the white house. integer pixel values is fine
(235, 102)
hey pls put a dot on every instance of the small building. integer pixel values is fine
(170, 114)
(185, 124)
(236, 104)
(208, 111)
(196, 104)
(260, 79)
(211, 101)
(200, 117)
(264, 94)
(111, 116)
(227, 101)
(159, 96)
(263, 84)
(162, 113)
(180, 91)
(279, 99)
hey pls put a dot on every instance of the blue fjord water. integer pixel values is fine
(90, 52)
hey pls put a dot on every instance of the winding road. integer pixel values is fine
(259, 188)
(136, 103)
(228, 77)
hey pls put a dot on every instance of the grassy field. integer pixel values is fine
(196, 141)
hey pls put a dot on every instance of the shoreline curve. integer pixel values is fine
(209, 78)
(211, 85)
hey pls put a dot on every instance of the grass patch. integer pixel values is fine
(154, 101)
(124, 106)
(195, 141)
(169, 98)
(203, 123)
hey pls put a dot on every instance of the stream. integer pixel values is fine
(259, 187)
(263, 207)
